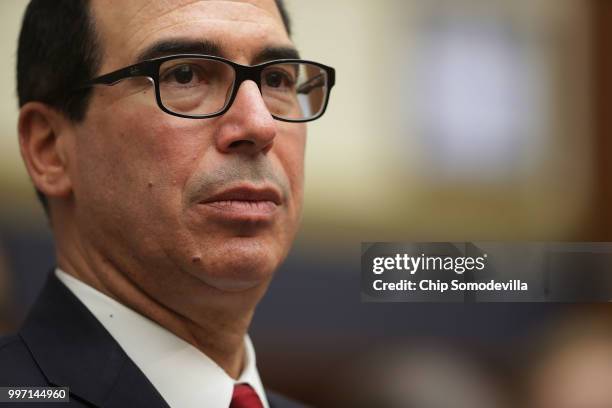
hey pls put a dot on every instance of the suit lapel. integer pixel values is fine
(73, 349)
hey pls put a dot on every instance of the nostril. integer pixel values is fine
(239, 143)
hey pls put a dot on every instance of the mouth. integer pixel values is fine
(243, 203)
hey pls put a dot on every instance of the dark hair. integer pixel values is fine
(57, 49)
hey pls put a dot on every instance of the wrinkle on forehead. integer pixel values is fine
(213, 24)
(160, 8)
(127, 25)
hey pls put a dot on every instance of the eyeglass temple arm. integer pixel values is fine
(311, 84)
(318, 81)
(116, 76)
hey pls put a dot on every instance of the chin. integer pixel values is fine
(238, 264)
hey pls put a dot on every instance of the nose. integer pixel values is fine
(247, 127)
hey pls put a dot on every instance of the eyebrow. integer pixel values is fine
(274, 53)
(169, 47)
(177, 46)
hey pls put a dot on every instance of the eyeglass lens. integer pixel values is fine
(200, 86)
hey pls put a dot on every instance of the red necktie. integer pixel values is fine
(245, 397)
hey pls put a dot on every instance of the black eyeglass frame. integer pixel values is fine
(150, 68)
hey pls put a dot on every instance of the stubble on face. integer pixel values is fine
(141, 203)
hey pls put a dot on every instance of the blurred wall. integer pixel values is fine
(459, 119)
(17, 206)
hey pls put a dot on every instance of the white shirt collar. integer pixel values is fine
(184, 376)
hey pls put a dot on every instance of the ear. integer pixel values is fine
(43, 134)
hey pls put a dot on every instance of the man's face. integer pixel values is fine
(146, 183)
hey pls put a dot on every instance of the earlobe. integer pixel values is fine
(42, 141)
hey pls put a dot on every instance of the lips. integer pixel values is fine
(246, 194)
(243, 203)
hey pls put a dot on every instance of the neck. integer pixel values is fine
(213, 321)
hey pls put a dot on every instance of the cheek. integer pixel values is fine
(160, 145)
(290, 149)
(133, 157)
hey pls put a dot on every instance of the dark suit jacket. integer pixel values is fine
(62, 344)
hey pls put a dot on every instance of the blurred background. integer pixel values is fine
(451, 120)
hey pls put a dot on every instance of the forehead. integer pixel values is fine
(240, 27)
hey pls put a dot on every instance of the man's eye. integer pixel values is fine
(278, 79)
(183, 74)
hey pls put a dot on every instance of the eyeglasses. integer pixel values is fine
(202, 86)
